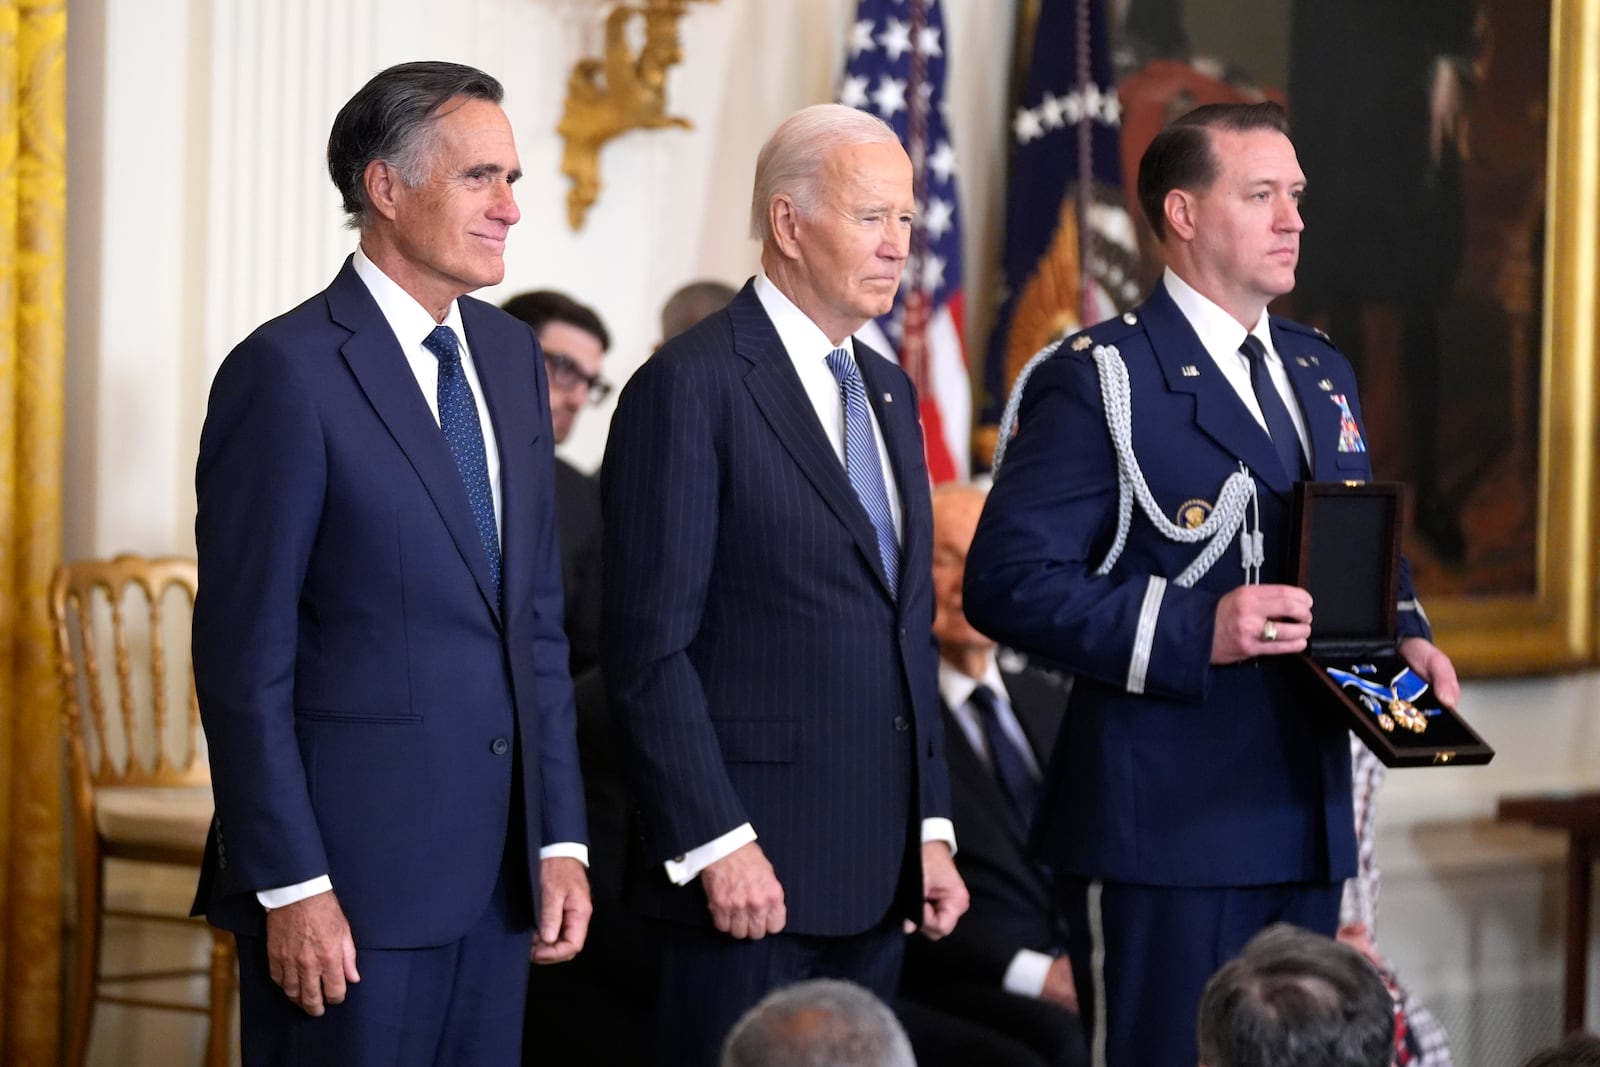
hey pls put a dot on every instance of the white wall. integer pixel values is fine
(200, 207)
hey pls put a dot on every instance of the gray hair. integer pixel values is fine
(691, 303)
(793, 155)
(1293, 998)
(392, 118)
(822, 1022)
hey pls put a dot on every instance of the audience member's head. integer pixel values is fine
(1578, 1050)
(818, 1023)
(690, 304)
(1296, 999)
(574, 342)
(955, 520)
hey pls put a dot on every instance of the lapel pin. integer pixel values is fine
(887, 399)
(1190, 370)
(1325, 385)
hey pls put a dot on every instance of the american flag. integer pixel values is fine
(895, 70)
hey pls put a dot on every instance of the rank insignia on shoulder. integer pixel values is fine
(1191, 513)
(1315, 362)
(1190, 370)
(888, 398)
(1302, 361)
(1325, 385)
(1083, 341)
(1130, 318)
(1320, 332)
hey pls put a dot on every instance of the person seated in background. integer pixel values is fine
(1293, 998)
(1577, 1050)
(821, 1021)
(1004, 967)
(575, 1010)
(690, 303)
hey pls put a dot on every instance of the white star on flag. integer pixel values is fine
(1027, 126)
(932, 272)
(928, 41)
(938, 218)
(853, 93)
(943, 161)
(896, 39)
(861, 38)
(890, 96)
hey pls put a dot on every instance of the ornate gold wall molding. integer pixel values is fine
(624, 90)
(33, 37)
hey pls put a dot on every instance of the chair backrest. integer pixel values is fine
(136, 720)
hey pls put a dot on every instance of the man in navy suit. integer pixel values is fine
(1004, 967)
(768, 606)
(377, 639)
(1194, 797)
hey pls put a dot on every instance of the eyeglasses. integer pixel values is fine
(566, 375)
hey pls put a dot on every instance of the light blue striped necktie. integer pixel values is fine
(861, 462)
(458, 418)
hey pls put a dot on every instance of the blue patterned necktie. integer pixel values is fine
(1280, 427)
(458, 418)
(861, 462)
(1010, 769)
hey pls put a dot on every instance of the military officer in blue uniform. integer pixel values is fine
(1137, 537)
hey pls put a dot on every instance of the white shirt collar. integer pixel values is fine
(1219, 332)
(409, 320)
(802, 338)
(956, 688)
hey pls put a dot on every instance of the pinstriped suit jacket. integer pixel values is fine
(759, 667)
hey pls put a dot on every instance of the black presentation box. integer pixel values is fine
(1347, 555)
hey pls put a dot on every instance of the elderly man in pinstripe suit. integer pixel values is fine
(767, 629)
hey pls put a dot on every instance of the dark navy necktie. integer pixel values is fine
(861, 461)
(1010, 769)
(1280, 426)
(458, 418)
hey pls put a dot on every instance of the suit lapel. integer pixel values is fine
(1317, 407)
(776, 390)
(502, 353)
(375, 358)
(1218, 411)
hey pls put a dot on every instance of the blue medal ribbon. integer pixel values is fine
(1395, 702)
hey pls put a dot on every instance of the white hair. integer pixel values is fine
(790, 160)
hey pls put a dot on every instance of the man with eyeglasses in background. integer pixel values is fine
(569, 1011)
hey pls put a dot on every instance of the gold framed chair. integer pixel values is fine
(141, 787)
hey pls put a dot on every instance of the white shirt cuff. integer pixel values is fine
(1027, 973)
(683, 869)
(939, 830)
(568, 849)
(294, 894)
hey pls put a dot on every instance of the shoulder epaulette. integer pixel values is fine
(1301, 328)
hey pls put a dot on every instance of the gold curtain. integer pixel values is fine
(33, 54)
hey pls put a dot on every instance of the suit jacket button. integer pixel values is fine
(500, 746)
(900, 723)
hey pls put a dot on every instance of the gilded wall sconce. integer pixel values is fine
(622, 91)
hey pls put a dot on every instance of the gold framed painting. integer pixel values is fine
(1452, 223)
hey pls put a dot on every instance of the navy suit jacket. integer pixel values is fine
(1194, 775)
(1012, 906)
(363, 692)
(760, 669)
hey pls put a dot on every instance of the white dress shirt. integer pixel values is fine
(1221, 335)
(1026, 973)
(808, 347)
(411, 324)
